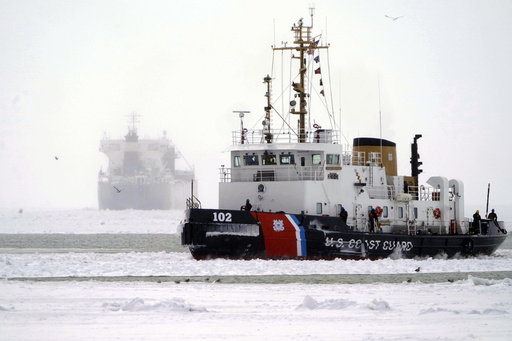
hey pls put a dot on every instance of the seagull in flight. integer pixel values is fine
(118, 190)
(394, 18)
(56, 158)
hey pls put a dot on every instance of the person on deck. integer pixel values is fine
(492, 215)
(343, 214)
(476, 222)
(373, 220)
(247, 206)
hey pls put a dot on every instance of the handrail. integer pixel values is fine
(257, 136)
(268, 173)
(193, 202)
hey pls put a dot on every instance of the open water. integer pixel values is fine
(104, 243)
(119, 243)
(112, 232)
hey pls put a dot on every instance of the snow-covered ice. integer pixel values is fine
(472, 309)
(475, 308)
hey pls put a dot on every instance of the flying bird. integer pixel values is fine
(56, 158)
(394, 18)
(118, 190)
(418, 269)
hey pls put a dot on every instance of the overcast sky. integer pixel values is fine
(72, 70)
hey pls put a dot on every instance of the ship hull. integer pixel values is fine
(135, 196)
(245, 235)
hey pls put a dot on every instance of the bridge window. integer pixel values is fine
(251, 160)
(236, 161)
(317, 159)
(286, 159)
(332, 159)
(268, 159)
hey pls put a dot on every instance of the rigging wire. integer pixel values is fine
(380, 117)
(282, 83)
(330, 90)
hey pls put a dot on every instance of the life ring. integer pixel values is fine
(378, 210)
(316, 126)
(437, 213)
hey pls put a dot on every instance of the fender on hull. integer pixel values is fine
(245, 235)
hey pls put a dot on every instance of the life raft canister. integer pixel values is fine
(378, 210)
(437, 213)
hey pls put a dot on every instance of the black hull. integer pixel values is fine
(246, 235)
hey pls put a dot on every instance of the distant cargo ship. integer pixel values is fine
(142, 174)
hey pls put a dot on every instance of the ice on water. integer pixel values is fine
(469, 309)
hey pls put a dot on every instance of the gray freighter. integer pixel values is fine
(142, 174)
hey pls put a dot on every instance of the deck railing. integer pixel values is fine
(291, 173)
(258, 136)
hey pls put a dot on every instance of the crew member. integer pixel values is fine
(476, 222)
(247, 206)
(373, 220)
(492, 215)
(343, 214)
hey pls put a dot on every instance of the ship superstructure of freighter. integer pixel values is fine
(142, 173)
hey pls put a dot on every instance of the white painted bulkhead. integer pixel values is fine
(319, 185)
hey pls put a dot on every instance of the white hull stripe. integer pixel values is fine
(300, 235)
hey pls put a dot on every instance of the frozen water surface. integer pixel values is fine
(88, 295)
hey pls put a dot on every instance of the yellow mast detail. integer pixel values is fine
(304, 42)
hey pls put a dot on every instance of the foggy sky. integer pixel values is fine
(70, 71)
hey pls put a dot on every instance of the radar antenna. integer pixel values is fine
(241, 114)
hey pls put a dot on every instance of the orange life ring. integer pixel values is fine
(378, 210)
(437, 213)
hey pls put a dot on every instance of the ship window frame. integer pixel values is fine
(291, 159)
(400, 212)
(415, 213)
(236, 161)
(332, 159)
(268, 159)
(316, 159)
(385, 212)
(319, 208)
(251, 160)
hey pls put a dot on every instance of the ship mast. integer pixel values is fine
(132, 132)
(303, 43)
